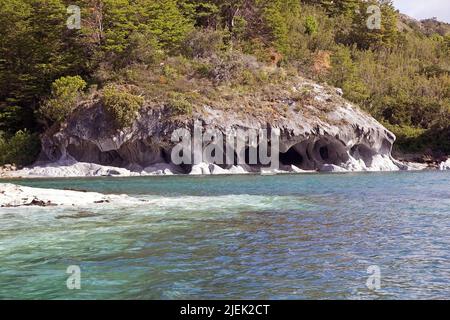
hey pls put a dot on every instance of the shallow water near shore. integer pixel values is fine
(246, 237)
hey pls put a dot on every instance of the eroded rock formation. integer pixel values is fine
(326, 134)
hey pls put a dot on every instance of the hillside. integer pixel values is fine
(428, 27)
(237, 55)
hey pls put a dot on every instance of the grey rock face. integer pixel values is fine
(339, 134)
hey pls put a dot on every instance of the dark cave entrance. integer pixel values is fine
(324, 153)
(291, 157)
(364, 153)
(88, 152)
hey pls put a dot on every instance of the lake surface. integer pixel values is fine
(244, 237)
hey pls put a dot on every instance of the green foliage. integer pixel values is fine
(68, 86)
(34, 42)
(408, 138)
(179, 104)
(343, 66)
(411, 139)
(165, 21)
(340, 7)
(205, 13)
(66, 92)
(119, 23)
(399, 76)
(203, 43)
(344, 75)
(311, 25)
(122, 105)
(281, 17)
(142, 48)
(21, 149)
(384, 35)
(277, 24)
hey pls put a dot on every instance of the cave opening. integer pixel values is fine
(329, 151)
(364, 153)
(324, 154)
(88, 152)
(291, 157)
(167, 155)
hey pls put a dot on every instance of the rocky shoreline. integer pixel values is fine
(73, 169)
(12, 195)
(316, 130)
(325, 133)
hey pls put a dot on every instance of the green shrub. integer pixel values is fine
(203, 70)
(122, 105)
(21, 149)
(276, 21)
(205, 43)
(143, 48)
(170, 72)
(311, 25)
(355, 90)
(179, 105)
(64, 98)
(410, 139)
(247, 77)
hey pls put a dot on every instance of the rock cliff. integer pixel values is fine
(319, 130)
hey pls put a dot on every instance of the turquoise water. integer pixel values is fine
(246, 237)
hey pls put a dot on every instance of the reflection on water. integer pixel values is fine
(293, 237)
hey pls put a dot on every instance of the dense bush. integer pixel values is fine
(66, 92)
(179, 105)
(122, 105)
(310, 25)
(20, 149)
(205, 43)
(410, 139)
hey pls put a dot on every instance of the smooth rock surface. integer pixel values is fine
(70, 168)
(12, 195)
(445, 165)
(213, 169)
(331, 133)
(415, 166)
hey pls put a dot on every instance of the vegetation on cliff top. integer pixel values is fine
(122, 105)
(185, 53)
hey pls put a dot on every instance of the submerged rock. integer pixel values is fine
(325, 133)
